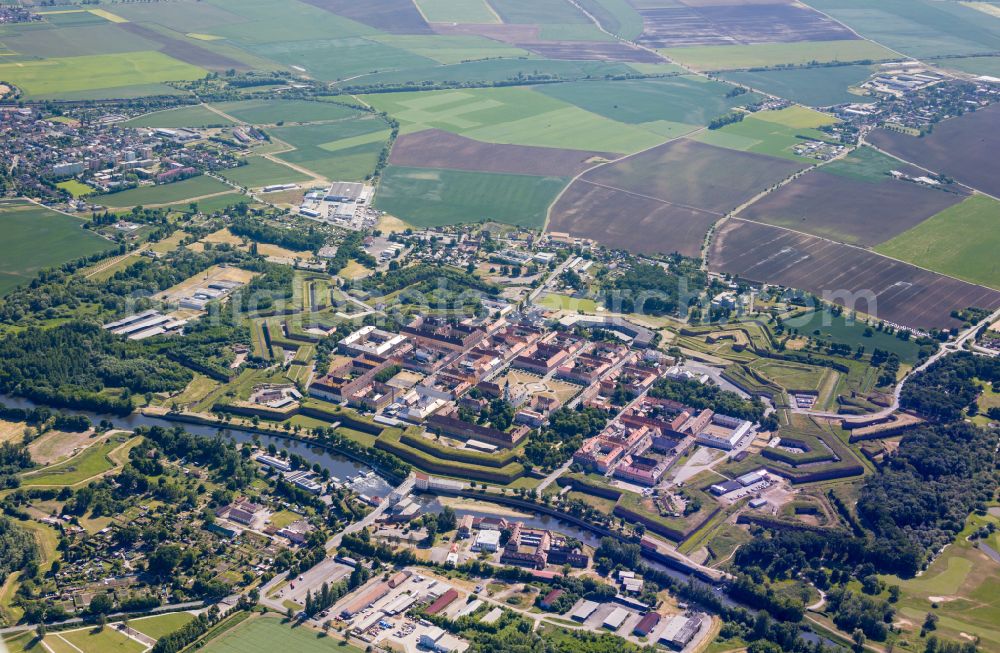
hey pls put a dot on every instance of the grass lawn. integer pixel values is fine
(566, 303)
(88, 640)
(961, 241)
(284, 518)
(179, 191)
(426, 197)
(92, 461)
(729, 57)
(263, 172)
(793, 376)
(36, 237)
(962, 581)
(864, 164)
(75, 188)
(268, 634)
(57, 77)
(161, 625)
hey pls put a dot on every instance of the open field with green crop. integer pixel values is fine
(961, 241)
(519, 116)
(267, 634)
(766, 133)
(457, 11)
(262, 172)
(974, 65)
(75, 188)
(566, 303)
(763, 55)
(685, 99)
(822, 324)
(179, 191)
(36, 237)
(190, 116)
(499, 70)
(269, 112)
(345, 151)
(452, 48)
(426, 197)
(918, 28)
(57, 77)
(816, 87)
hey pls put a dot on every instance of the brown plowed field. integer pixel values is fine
(903, 294)
(664, 199)
(963, 148)
(592, 51)
(511, 34)
(850, 210)
(737, 24)
(393, 16)
(625, 221)
(434, 148)
(185, 50)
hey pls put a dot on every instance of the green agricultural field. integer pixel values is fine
(765, 134)
(833, 329)
(764, 55)
(426, 197)
(918, 28)
(179, 191)
(530, 12)
(457, 11)
(692, 101)
(267, 634)
(214, 203)
(493, 70)
(345, 151)
(190, 116)
(617, 16)
(161, 625)
(864, 164)
(55, 78)
(270, 112)
(263, 172)
(36, 238)
(817, 87)
(332, 59)
(514, 115)
(75, 188)
(452, 49)
(973, 65)
(962, 582)
(961, 241)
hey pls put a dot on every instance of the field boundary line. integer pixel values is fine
(865, 249)
(69, 643)
(577, 177)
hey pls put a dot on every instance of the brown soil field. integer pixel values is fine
(631, 222)
(393, 16)
(434, 148)
(902, 293)
(185, 50)
(963, 148)
(850, 210)
(664, 199)
(743, 24)
(511, 34)
(592, 51)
